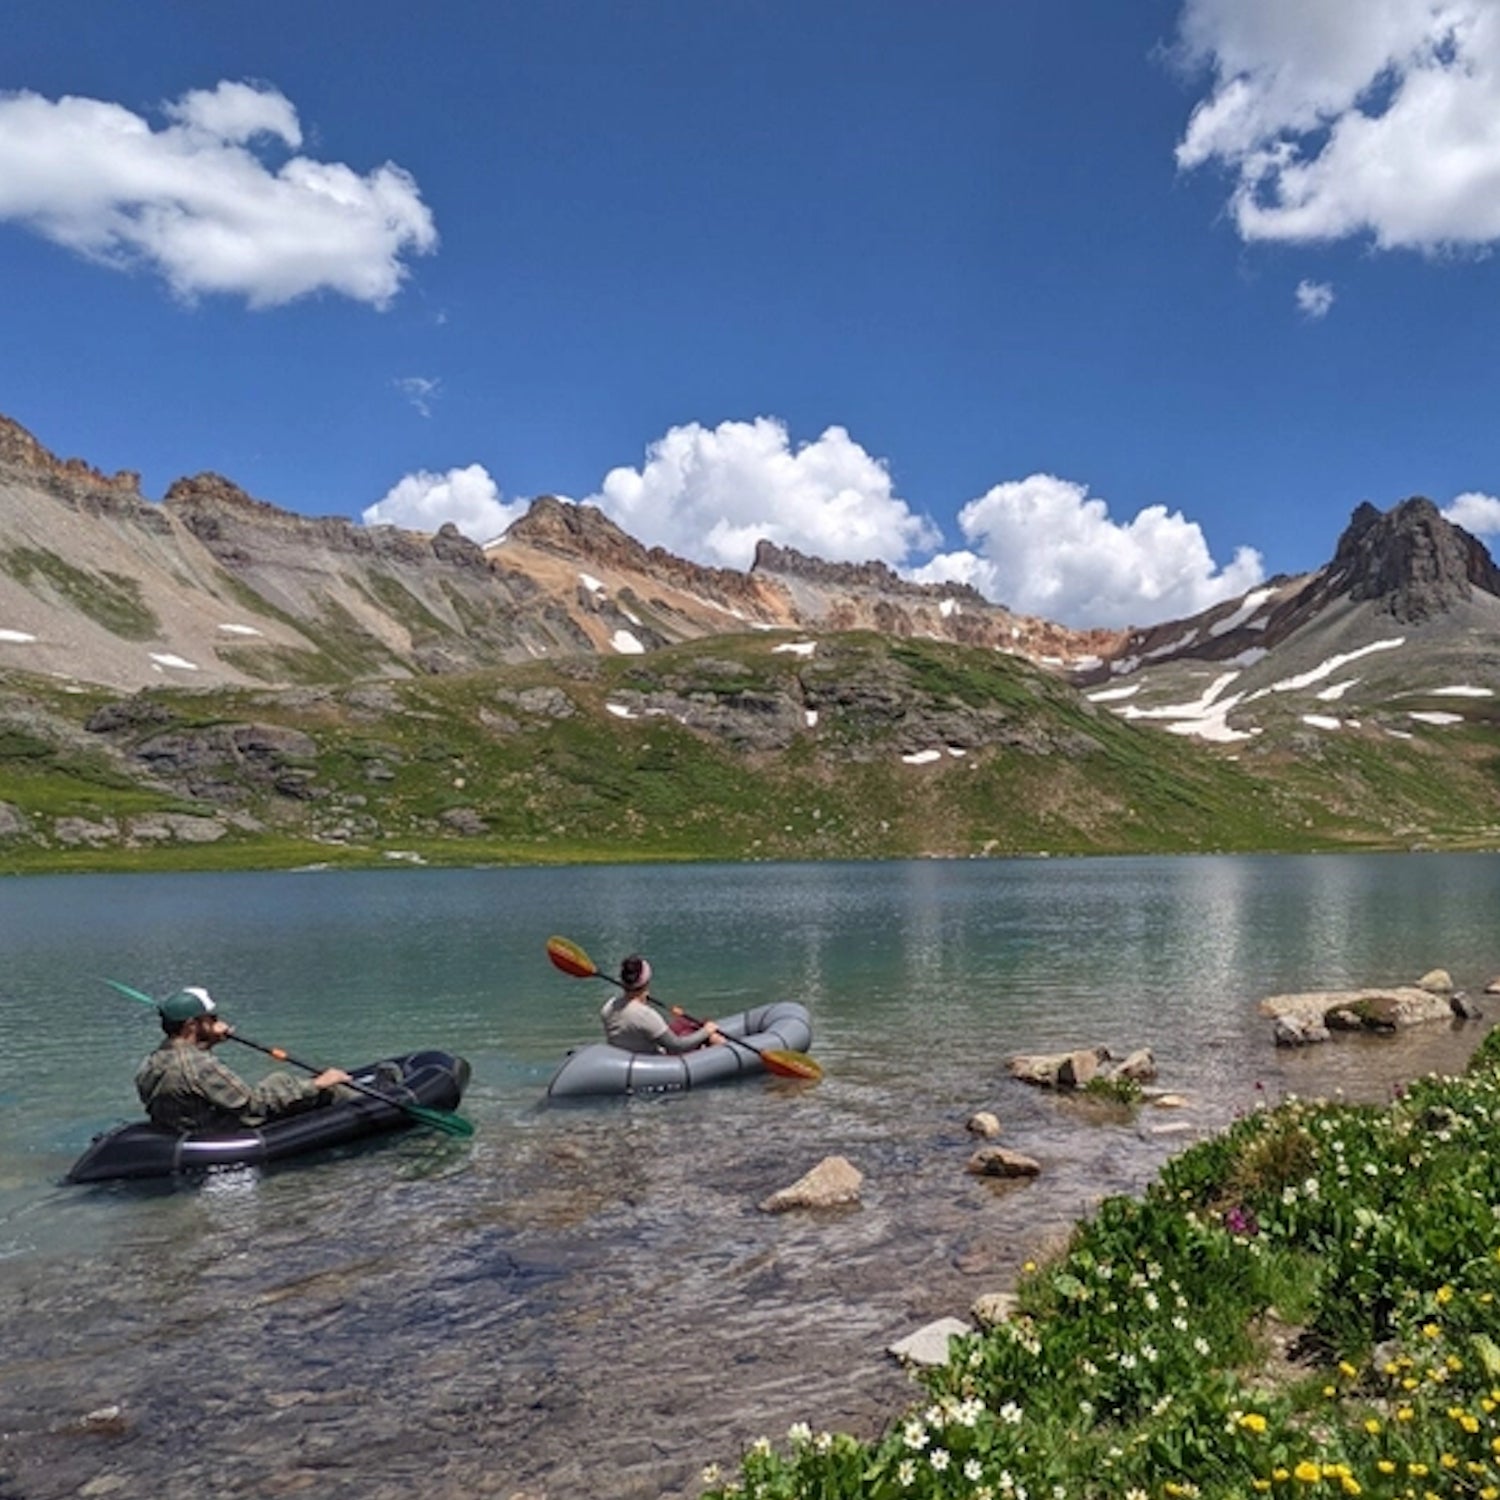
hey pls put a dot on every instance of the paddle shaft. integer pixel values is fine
(439, 1119)
(416, 1111)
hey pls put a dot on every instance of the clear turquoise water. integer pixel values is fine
(585, 1301)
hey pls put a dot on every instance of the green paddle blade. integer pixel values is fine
(131, 994)
(439, 1119)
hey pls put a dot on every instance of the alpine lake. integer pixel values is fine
(586, 1301)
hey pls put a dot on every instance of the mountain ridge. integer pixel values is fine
(211, 679)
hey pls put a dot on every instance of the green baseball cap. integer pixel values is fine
(187, 1003)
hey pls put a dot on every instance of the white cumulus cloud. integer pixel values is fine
(1338, 119)
(1478, 514)
(199, 201)
(469, 498)
(710, 494)
(1314, 298)
(1043, 546)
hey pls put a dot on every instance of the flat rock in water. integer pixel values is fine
(833, 1181)
(982, 1122)
(929, 1346)
(1377, 1009)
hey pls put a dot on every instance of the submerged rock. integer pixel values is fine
(996, 1161)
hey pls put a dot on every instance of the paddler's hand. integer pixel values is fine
(331, 1078)
(715, 1036)
(675, 1011)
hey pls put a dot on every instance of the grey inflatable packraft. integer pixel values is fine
(599, 1068)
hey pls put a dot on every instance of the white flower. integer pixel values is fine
(906, 1473)
(967, 1413)
(798, 1432)
(1201, 1345)
(914, 1435)
(939, 1459)
(1011, 1413)
(823, 1442)
(761, 1447)
(711, 1475)
(973, 1469)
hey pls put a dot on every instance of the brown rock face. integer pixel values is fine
(80, 484)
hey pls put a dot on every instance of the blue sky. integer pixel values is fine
(1112, 309)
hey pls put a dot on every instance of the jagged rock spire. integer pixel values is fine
(1410, 561)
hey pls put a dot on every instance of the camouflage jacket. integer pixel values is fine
(187, 1088)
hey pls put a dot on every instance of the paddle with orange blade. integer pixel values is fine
(572, 960)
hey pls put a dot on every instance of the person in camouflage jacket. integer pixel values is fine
(186, 1088)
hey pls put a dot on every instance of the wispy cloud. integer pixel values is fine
(200, 202)
(420, 391)
(1336, 119)
(1314, 299)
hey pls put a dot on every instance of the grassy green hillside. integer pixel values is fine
(730, 749)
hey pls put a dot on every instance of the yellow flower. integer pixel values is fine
(1308, 1472)
(1328, 1390)
(1454, 1362)
(1489, 1492)
(1385, 1466)
(1253, 1421)
(1347, 1370)
(1469, 1422)
(1417, 1469)
(1372, 1425)
(1260, 1484)
(1431, 1331)
(1404, 1414)
(1280, 1474)
(1350, 1484)
(1444, 1294)
(1448, 1461)
(1409, 1384)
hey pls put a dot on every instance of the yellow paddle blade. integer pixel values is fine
(791, 1064)
(570, 958)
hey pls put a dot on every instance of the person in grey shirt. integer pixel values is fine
(631, 1020)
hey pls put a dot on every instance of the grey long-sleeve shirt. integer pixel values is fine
(637, 1027)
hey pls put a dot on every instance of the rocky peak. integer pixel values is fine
(788, 562)
(577, 530)
(586, 534)
(69, 478)
(1409, 561)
